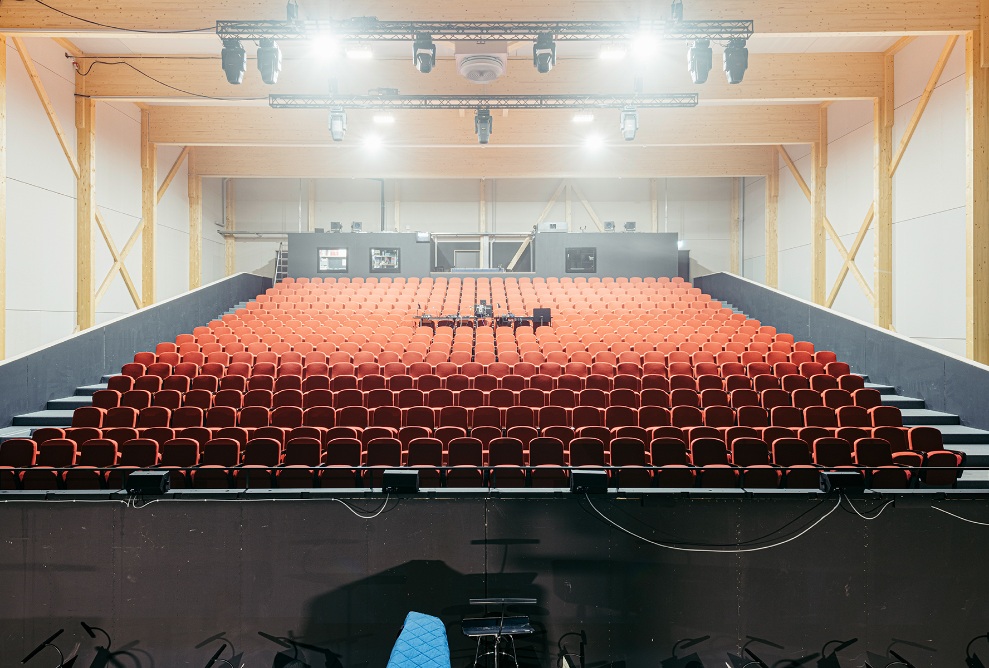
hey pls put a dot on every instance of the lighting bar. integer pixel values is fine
(368, 28)
(641, 101)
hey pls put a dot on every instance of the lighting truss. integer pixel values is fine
(639, 100)
(370, 29)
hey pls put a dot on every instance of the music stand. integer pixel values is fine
(497, 629)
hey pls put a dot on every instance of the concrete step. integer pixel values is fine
(956, 434)
(902, 402)
(14, 432)
(883, 389)
(89, 390)
(44, 419)
(976, 454)
(915, 417)
(974, 479)
(69, 403)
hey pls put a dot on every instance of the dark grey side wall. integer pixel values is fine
(29, 381)
(945, 382)
(619, 254)
(166, 577)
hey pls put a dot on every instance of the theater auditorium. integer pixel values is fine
(597, 334)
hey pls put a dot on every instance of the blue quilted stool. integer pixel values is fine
(421, 644)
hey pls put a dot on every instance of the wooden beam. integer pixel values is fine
(46, 103)
(195, 225)
(883, 160)
(977, 206)
(474, 162)
(901, 44)
(702, 126)
(149, 210)
(85, 211)
(117, 266)
(69, 47)
(587, 207)
(922, 104)
(398, 206)
(518, 254)
(984, 30)
(818, 236)
(230, 224)
(172, 172)
(771, 77)
(734, 227)
(551, 203)
(852, 252)
(772, 217)
(772, 16)
(3, 196)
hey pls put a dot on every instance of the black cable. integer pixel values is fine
(110, 27)
(162, 83)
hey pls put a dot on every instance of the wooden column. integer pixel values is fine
(85, 211)
(654, 204)
(230, 224)
(3, 196)
(195, 224)
(149, 209)
(883, 138)
(397, 206)
(772, 221)
(818, 238)
(734, 226)
(977, 205)
(482, 207)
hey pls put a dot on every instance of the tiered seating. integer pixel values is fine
(326, 382)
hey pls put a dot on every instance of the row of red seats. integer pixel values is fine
(290, 283)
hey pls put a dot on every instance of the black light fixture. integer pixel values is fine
(566, 658)
(588, 482)
(356, 226)
(336, 226)
(736, 60)
(751, 659)
(103, 654)
(630, 226)
(338, 124)
(609, 226)
(629, 123)
(973, 660)
(292, 10)
(50, 642)
(483, 125)
(700, 60)
(830, 660)
(689, 661)
(424, 53)
(269, 60)
(544, 53)
(400, 481)
(233, 58)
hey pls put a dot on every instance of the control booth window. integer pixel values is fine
(582, 260)
(385, 261)
(331, 260)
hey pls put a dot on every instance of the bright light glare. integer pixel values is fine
(583, 117)
(594, 142)
(359, 53)
(372, 142)
(325, 47)
(613, 52)
(645, 45)
(384, 119)
(680, 244)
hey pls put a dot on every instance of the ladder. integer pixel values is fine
(281, 263)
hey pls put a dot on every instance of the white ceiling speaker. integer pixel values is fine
(482, 68)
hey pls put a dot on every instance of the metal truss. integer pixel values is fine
(638, 101)
(370, 29)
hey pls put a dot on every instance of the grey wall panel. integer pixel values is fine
(29, 381)
(945, 382)
(415, 257)
(165, 578)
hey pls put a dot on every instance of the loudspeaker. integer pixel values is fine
(399, 481)
(844, 481)
(542, 316)
(588, 482)
(148, 483)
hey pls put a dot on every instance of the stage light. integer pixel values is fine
(356, 227)
(325, 48)
(372, 142)
(700, 60)
(292, 10)
(594, 142)
(269, 61)
(613, 52)
(338, 124)
(233, 58)
(689, 661)
(483, 125)
(972, 660)
(830, 659)
(736, 60)
(424, 53)
(383, 119)
(583, 117)
(645, 46)
(679, 244)
(629, 123)
(359, 53)
(630, 226)
(544, 53)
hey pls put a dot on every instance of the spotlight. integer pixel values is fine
(233, 57)
(679, 244)
(360, 53)
(688, 661)
(972, 660)
(483, 125)
(700, 60)
(645, 45)
(325, 48)
(630, 123)
(736, 60)
(336, 226)
(269, 60)
(356, 227)
(830, 659)
(338, 124)
(544, 53)
(583, 117)
(613, 52)
(594, 142)
(383, 119)
(372, 142)
(609, 226)
(424, 53)
(292, 10)
(630, 226)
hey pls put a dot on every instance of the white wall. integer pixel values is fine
(697, 209)
(41, 205)
(928, 204)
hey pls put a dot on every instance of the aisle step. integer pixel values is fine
(44, 419)
(915, 417)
